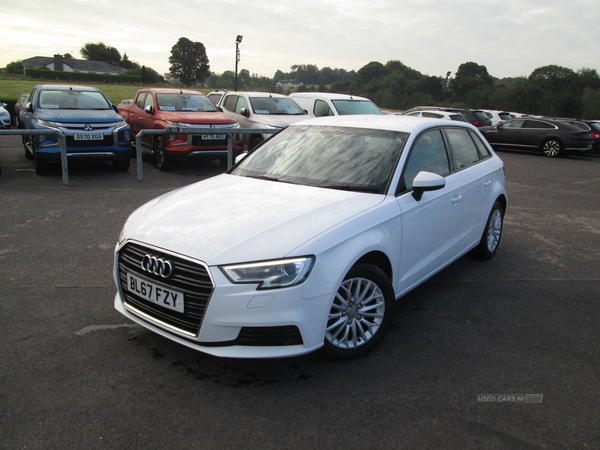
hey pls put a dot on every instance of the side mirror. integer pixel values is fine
(149, 109)
(115, 107)
(4, 105)
(241, 156)
(219, 108)
(244, 112)
(29, 107)
(426, 181)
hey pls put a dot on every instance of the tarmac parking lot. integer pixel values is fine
(501, 354)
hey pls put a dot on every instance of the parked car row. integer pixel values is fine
(95, 130)
(477, 118)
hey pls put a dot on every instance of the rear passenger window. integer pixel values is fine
(481, 148)
(464, 149)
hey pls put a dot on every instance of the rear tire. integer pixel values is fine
(553, 148)
(490, 240)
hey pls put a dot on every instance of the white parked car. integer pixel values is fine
(260, 110)
(439, 114)
(319, 104)
(497, 116)
(309, 240)
(4, 116)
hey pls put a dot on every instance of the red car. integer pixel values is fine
(157, 109)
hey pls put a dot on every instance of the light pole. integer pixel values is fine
(238, 41)
(446, 86)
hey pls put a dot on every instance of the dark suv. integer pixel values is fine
(474, 116)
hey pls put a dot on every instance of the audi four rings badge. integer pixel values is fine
(157, 266)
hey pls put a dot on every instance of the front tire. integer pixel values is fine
(122, 165)
(361, 313)
(41, 166)
(163, 162)
(552, 148)
(490, 240)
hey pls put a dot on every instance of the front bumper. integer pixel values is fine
(192, 145)
(224, 319)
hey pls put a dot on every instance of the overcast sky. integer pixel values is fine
(510, 37)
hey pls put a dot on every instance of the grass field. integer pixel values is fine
(11, 88)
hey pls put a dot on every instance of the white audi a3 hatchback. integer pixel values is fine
(308, 241)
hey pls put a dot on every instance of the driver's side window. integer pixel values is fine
(428, 154)
(241, 104)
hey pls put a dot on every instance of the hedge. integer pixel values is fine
(81, 76)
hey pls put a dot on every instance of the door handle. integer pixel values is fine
(455, 200)
(487, 184)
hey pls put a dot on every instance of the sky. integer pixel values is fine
(510, 37)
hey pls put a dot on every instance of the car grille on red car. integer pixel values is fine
(189, 277)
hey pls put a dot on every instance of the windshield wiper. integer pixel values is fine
(354, 187)
(263, 177)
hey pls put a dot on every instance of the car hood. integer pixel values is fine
(197, 117)
(230, 219)
(277, 121)
(78, 115)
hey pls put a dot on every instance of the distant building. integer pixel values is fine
(288, 84)
(57, 62)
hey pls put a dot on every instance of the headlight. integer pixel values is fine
(176, 124)
(46, 123)
(271, 274)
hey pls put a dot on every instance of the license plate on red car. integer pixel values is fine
(213, 137)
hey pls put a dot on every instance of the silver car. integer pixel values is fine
(261, 110)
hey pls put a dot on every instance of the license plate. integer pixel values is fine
(160, 295)
(89, 136)
(212, 137)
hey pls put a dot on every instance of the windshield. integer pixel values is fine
(184, 102)
(275, 106)
(357, 159)
(350, 107)
(72, 99)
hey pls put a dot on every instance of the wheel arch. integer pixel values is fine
(379, 260)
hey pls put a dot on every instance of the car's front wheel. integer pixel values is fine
(361, 313)
(552, 148)
(163, 162)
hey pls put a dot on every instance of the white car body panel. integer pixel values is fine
(230, 219)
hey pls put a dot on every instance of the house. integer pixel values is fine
(57, 62)
(288, 84)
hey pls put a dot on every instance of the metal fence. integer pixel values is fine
(230, 132)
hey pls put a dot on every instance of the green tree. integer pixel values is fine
(189, 62)
(101, 52)
(14, 67)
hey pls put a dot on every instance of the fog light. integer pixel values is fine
(172, 137)
(43, 138)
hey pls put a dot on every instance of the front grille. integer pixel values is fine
(189, 277)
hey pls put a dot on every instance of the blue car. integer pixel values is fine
(89, 121)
